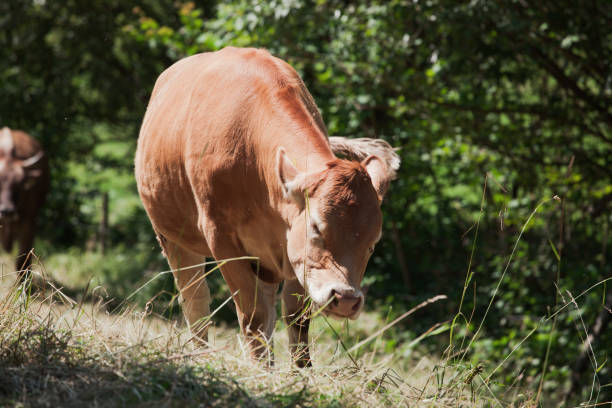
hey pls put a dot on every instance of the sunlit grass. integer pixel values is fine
(56, 350)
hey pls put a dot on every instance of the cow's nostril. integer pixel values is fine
(356, 305)
(335, 297)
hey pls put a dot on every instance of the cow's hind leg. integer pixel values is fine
(191, 283)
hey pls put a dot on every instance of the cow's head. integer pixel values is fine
(336, 224)
(15, 175)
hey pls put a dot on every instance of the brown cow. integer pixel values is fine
(233, 160)
(24, 182)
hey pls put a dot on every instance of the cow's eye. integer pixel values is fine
(371, 249)
(315, 229)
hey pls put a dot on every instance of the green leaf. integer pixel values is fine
(554, 250)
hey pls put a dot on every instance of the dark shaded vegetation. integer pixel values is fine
(509, 95)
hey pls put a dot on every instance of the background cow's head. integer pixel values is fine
(335, 227)
(16, 175)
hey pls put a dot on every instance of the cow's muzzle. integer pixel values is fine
(344, 304)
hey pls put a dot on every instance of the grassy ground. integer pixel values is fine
(77, 348)
(58, 351)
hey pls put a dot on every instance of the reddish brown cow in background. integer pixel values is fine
(24, 182)
(234, 160)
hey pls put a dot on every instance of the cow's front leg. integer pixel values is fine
(255, 303)
(297, 320)
(6, 235)
(24, 257)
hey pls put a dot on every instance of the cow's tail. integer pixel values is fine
(360, 148)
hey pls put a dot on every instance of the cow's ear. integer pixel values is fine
(377, 170)
(289, 177)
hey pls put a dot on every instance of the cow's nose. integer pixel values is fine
(6, 211)
(344, 304)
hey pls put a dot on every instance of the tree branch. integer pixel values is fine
(567, 82)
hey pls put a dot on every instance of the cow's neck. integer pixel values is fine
(296, 126)
(299, 129)
(309, 151)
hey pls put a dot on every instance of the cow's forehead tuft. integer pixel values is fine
(348, 184)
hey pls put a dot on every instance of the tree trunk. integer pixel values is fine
(401, 259)
(104, 223)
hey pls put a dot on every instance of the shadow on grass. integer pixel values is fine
(50, 368)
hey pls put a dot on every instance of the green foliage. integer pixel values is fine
(120, 270)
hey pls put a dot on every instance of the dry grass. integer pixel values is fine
(55, 351)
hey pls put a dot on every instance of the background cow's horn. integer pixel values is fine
(360, 148)
(33, 159)
(6, 140)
